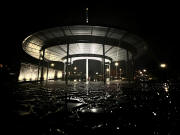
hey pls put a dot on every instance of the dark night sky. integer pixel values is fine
(157, 25)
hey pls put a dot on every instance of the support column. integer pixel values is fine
(109, 71)
(104, 70)
(87, 75)
(70, 66)
(39, 64)
(64, 71)
(42, 67)
(47, 71)
(67, 60)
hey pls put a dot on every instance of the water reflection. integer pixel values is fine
(95, 108)
(166, 87)
(87, 89)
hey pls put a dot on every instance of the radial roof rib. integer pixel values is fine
(62, 49)
(63, 31)
(109, 49)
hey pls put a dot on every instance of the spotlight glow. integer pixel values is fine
(163, 65)
(116, 63)
(75, 68)
(52, 64)
(94, 110)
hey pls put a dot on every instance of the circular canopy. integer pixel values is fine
(83, 40)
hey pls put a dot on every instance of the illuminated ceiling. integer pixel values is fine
(83, 40)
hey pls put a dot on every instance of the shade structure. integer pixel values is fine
(84, 41)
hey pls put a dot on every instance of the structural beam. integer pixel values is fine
(87, 55)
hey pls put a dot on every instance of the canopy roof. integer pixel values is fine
(84, 41)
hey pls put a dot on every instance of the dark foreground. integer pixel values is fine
(144, 108)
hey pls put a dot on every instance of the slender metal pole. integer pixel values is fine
(67, 64)
(47, 71)
(42, 68)
(120, 73)
(104, 70)
(116, 71)
(87, 75)
(70, 67)
(64, 71)
(109, 71)
(39, 65)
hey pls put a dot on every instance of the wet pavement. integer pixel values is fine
(94, 108)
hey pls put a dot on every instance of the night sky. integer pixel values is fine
(156, 24)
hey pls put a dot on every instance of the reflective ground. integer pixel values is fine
(94, 108)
